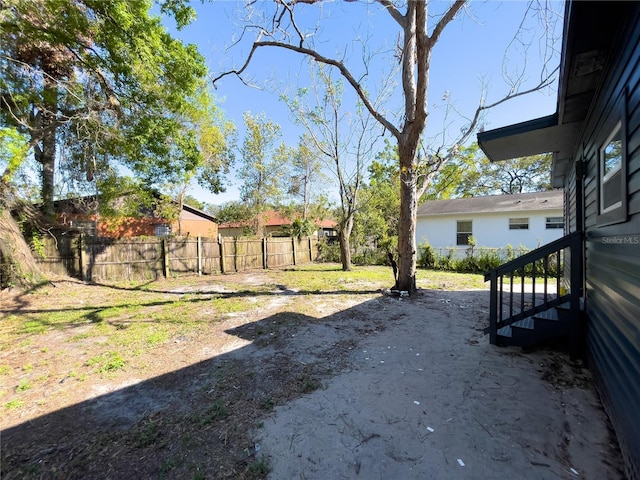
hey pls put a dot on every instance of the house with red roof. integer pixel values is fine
(273, 224)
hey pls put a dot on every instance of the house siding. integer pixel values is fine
(489, 230)
(191, 224)
(612, 269)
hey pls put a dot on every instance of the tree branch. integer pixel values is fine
(344, 71)
(394, 12)
(444, 21)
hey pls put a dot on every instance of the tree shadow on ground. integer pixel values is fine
(195, 422)
(200, 421)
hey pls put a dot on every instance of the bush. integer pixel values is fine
(370, 256)
(328, 252)
(481, 260)
(488, 260)
(426, 256)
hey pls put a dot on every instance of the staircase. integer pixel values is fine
(530, 302)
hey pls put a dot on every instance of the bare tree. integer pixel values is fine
(418, 163)
(305, 176)
(344, 139)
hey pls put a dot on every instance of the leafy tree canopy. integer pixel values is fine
(471, 174)
(102, 84)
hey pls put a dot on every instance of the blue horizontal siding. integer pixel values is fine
(612, 273)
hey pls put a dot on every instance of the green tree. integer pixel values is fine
(263, 162)
(101, 80)
(305, 201)
(471, 174)
(103, 84)
(305, 188)
(235, 212)
(519, 175)
(377, 218)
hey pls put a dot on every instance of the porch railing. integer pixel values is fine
(513, 298)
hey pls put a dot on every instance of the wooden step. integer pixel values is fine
(534, 330)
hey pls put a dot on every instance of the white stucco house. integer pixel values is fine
(525, 219)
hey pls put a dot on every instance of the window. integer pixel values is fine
(518, 224)
(612, 170)
(463, 232)
(86, 226)
(163, 230)
(554, 222)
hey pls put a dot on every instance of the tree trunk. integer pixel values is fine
(407, 225)
(18, 266)
(46, 156)
(345, 247)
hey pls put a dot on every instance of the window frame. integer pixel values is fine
(615, 124)
(556, 225)
(165, 228)
(607, 179)
(88, 227)
(468, 234)
(522, 225)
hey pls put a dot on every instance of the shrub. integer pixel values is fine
(328, 252)
(426, 256)
(488, 260)
(370, 256)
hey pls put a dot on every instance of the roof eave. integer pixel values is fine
(533, 137)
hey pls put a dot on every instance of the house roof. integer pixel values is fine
(89, 205)
(590, 34)
(519, 202)
(198, 212)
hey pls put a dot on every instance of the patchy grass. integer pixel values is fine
(69, 341)
(439, 280)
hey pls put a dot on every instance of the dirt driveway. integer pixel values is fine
(326, 385)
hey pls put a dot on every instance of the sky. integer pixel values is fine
(473, 51)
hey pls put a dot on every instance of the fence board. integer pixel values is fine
(98, 259)
(130, 259)
(279, 252)
(61, 256)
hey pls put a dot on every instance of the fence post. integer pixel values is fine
(82, 244)
(264, 253)
(199, 253)
(165, 258)
(235, 254)
(221, 249)
(310, 251)
(293, 246)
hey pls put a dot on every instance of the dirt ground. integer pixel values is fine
(362, 386)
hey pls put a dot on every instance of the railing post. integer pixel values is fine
(493, 308)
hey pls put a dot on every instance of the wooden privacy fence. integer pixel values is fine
(100, 259)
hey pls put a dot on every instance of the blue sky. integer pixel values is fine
(470, 53)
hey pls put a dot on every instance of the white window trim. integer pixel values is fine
(512, 225)
(604, 179)
(556, 225)
(469, 234)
